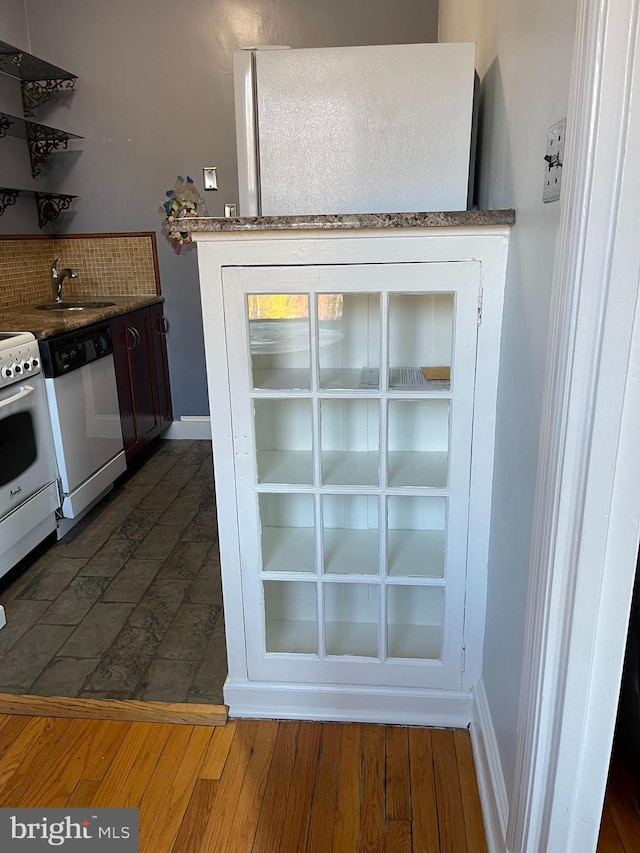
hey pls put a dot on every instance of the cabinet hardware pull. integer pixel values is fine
(164, 325)
(135, 334)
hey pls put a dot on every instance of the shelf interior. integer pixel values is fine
(291, 617)
(427, 469)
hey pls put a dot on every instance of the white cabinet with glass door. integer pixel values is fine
(350, 424)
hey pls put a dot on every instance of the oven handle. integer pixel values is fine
(26, 390)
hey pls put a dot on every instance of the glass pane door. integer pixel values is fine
(352, 480)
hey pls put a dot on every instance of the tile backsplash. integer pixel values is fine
(118, 265)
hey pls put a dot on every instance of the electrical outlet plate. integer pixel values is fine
(553, 161)
(210, 178)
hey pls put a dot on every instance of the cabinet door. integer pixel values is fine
(352, 403)
(122, 340)
(159, 327)
(136, 379)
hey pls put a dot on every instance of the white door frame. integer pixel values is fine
(585, 527)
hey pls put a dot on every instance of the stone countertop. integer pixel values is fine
(353, 221)
(49, 324)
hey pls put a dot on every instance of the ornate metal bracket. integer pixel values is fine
(37, 92)
(41, 139)
(50, 206)
(7, 198)
(10, 59)
(39, 149)
(5, 124)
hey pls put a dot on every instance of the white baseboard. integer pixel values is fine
(399, 706)
(493, 792)
(189, 426)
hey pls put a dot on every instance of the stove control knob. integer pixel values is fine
(17, 368)
(34, 363)
(6, 373)
(26, 365)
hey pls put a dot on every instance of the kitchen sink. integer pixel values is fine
(73, 306)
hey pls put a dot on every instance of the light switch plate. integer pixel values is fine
(210, 177)
(554, 159)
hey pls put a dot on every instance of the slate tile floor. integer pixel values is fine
(129, 604)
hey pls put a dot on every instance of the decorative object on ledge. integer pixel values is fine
(41, 139)
(50, 205)
(40, 80)
(183, 202)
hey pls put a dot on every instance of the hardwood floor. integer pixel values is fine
(620, 827)
(254, 786)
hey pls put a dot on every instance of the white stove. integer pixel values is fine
(28, 477)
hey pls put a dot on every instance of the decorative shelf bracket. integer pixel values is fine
(39, 150)
(40, 79)
(50, 206)
(37, 92)
(41, 139)
(7, 198)
(5, 123)
(6, 59)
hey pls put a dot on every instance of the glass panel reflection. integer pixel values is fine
(350, 442)
(349, 340)
(418, 442)
(288, 541)
(420, 340)
(414, 622)
(291, 616)
(416, 536)
(350, 534)
(351, 619)
(279, 340)
(284, 441)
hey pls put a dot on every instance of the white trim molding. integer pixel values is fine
(348, 703)
(491, 784)
(189, 426)
(585, 526)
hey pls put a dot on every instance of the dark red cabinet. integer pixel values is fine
(142, 376)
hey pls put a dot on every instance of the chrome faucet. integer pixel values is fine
(58, 277)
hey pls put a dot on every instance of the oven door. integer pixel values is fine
(26, 446)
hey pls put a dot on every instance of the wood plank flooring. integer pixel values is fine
(620, 826)
(132, 710)
(254, 786)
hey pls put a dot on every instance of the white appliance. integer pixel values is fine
(80, 382)
(386, 128)
(28, 487)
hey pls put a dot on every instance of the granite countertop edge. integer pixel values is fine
(352, 221)
(49, 324)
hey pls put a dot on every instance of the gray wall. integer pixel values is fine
(155, 100)
(524, 54)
